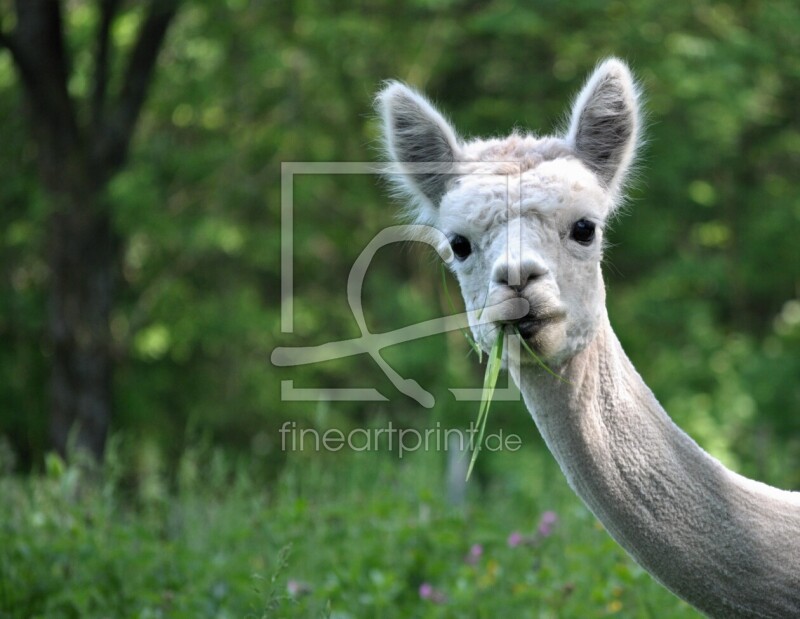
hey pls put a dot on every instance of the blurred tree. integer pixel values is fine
(82, 141)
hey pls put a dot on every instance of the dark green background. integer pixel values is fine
(703, 269)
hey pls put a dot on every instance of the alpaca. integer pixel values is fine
(525, 218)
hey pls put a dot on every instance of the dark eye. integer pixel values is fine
(461, 246)
(583, 231)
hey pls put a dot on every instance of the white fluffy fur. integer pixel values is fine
(418, 139)
(608, 100)
(728, 545)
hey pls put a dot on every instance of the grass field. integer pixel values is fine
(341, 535)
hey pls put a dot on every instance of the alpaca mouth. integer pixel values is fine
(531, 324)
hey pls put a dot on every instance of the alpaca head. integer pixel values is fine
(524, 216)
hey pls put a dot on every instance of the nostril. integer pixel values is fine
(523, 280)
(517, 275)
(531, 277)
(520, 287)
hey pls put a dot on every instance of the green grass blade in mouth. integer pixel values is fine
(483, 305)
(467, 336)
(538, 359)
(493, 364)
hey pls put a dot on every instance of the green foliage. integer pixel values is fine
(695, 292)
(350, 536)
(703, 292)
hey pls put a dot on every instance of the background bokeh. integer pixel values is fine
(703, 269)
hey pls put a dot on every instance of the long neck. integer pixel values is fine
(728, 545)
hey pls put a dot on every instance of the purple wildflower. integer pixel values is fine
(475, 553)
(515, 539)
(547, 523)
(428, 592)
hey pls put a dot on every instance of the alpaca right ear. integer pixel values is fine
(604, 128)
(416, 134)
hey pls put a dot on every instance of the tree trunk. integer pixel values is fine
(76, 161)
(83, 261)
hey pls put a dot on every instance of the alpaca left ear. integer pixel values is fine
(421, 142)
(604, 126)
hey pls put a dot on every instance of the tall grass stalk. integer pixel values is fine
(493, 364)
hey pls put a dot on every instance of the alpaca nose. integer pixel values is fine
(518, 273)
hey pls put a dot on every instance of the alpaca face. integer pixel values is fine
(524, 216)
(537, 236)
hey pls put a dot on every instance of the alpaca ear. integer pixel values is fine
(416, 134)
(604, 126)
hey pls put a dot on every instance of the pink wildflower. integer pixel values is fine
(428, 592)
(547, 523)
(515, 539)
(475, 553)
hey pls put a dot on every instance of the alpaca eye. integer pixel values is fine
(461, 246)
(583, 231)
